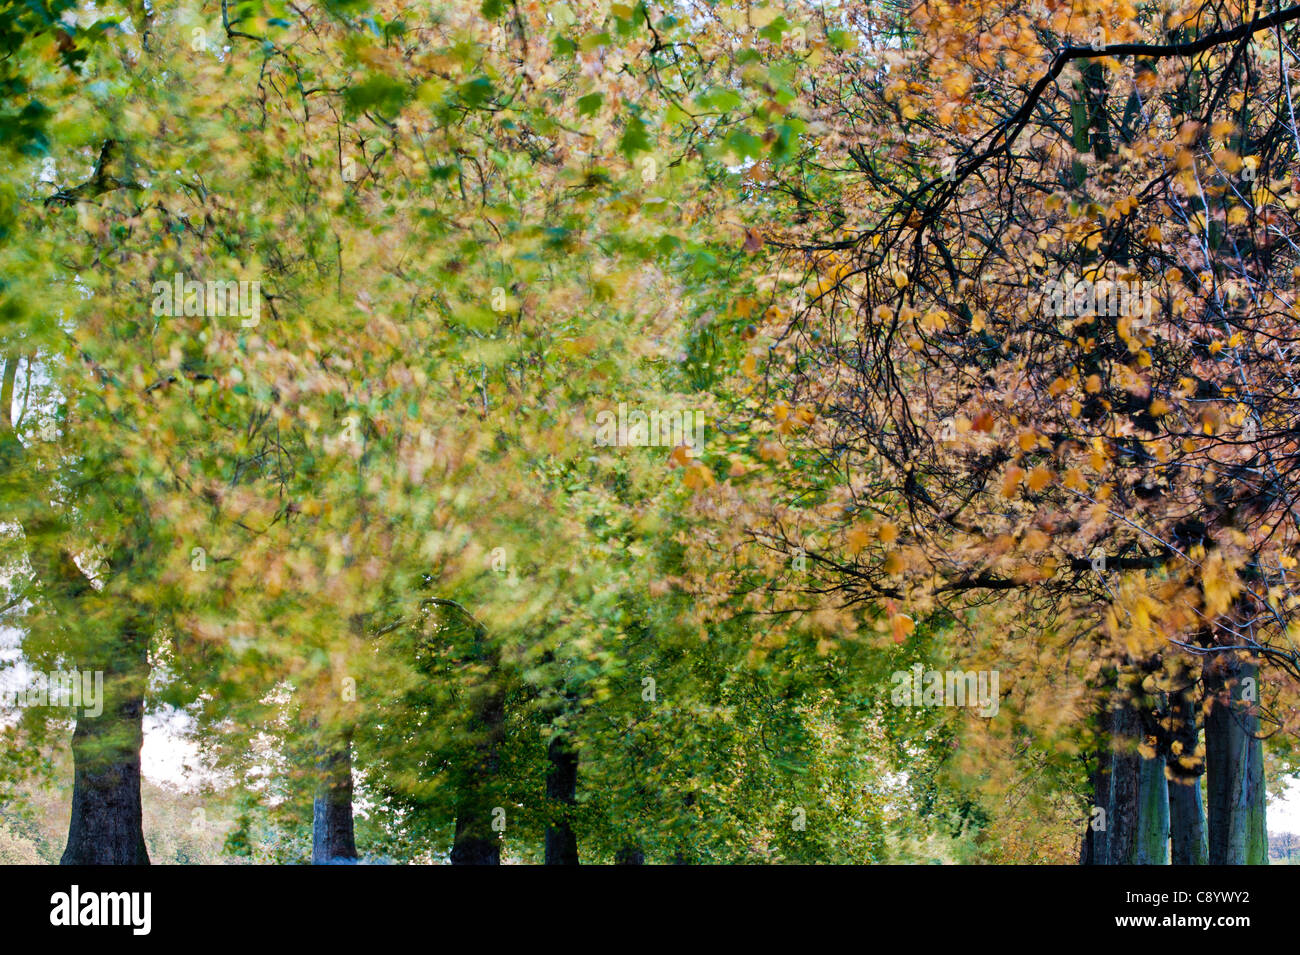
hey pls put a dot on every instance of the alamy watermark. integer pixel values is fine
(129, 909)
(921, 687)
(190, 297)
(83, 689)
(653, 429)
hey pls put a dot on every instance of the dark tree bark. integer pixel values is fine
(332, 836)
(475, 768)
(562, 794)
(1122, 814)
(475, 842)
(1094, 848)
(630, 855)
(1187, 824)
(1234, 759)
(1096, 90)
(107, 822)
(1129, 821)
(1185, 767)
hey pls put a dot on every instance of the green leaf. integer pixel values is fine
(379, 93)
(745, 144)
(476, 92)
(635, 138)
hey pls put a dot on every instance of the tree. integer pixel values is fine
(1055, 334)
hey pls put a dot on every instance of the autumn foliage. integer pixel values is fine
(989, 310)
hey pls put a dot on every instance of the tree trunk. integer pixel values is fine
(1129, 822)
(1187, 823)
(332, 838)
(1123, 812)
(1185, 765)
(107, 824)
(1153, 814)
(1096, 90)
(1234, 759)
(1153, 786)
(476, 842)
(562, 794)
(630, 855)
(1094, 848)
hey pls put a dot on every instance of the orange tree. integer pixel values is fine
(1047, 276)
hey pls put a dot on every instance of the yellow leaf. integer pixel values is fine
(957, 84)
(698, 476)
(935, 321)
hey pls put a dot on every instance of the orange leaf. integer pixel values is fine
(1011, 480)
(1039, 478)
(902, 626)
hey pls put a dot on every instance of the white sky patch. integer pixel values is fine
(1284, 812)
(170, 756)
